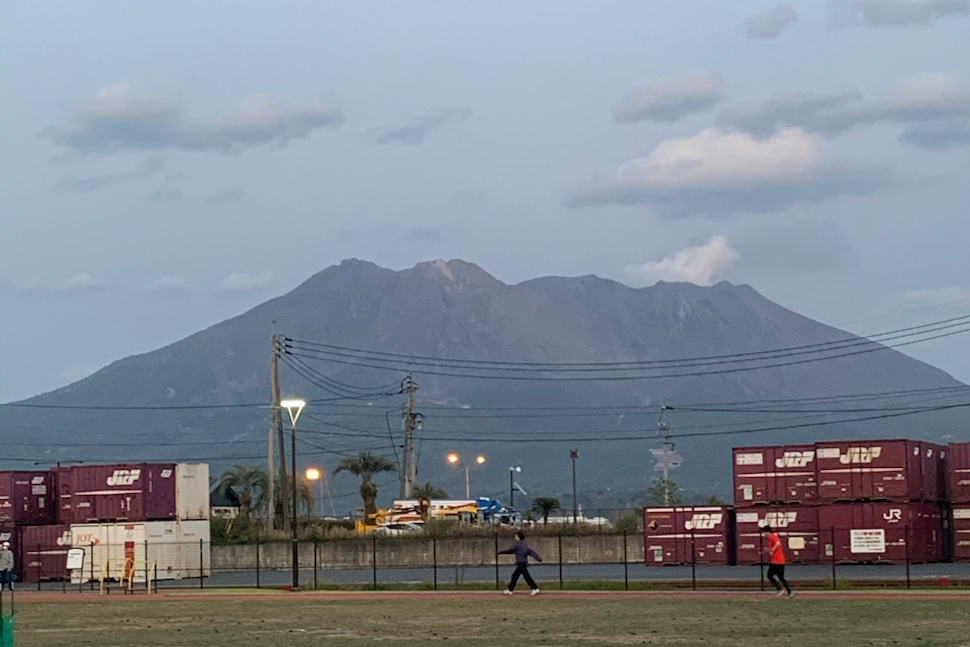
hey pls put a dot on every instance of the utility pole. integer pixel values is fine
(574, 454)
(409, 457)
(280, 436)
(666, 434)
(274, 412)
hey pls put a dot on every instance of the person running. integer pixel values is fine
(776, 567)
(522, 553)
(6, 566)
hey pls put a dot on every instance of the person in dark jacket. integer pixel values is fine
(522, 553)
(6, 566)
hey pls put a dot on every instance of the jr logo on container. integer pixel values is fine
(124, 477)
(795, 459)
(778, 519)
(704, 521)
(860, 455)
(894, 515)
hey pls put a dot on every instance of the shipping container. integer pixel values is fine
(62, 511)
(960, 532)
(44, 552)
(887, 470)
(881, 532)
(26, 498)
(678, 535)
(175, 549)
(797, 525)
(125, 492)
(776, 474)
(193, 491)
(958, 462)
(933, 472)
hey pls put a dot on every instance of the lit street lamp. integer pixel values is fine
(512, 471)
(294, 408)
(455, 460)
(313, 474)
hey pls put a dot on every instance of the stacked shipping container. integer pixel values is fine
(679, 535)
(958, 516)
(43, 512)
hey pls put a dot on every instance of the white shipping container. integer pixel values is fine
(193, 490)
(173, 546)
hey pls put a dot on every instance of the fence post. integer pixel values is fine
(156, 577)
(693, 562)
(373, 539)
(201, 563)
(834, 584)
(560, 560)
(147, 581)
(92, 566)
(257, 562)
(761, 557)
(626, 568)
(907, 556)
(434, 558)
(497, 581)
(315, 563)
(39, 553)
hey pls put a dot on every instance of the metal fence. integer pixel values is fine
(608, 561)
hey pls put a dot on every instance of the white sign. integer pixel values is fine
(796, 543)
(747, 517)
(75, 559)
(749, 459)
(962, 514)
(872, 541)
(829, 452)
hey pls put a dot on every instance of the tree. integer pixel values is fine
(304, 494)
(366, 465)
(664, 492)
(248, 482)
(428, 491)
(545, 505)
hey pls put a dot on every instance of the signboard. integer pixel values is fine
(749, 459)
(963, 513)
(75, 559)
(872, 541)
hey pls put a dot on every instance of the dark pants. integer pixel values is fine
(778, 570)
(523, 570)
(6, 579)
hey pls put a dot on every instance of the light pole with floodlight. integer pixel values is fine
(455, 460)
(512, 471)
(294, 408)
(313, 474)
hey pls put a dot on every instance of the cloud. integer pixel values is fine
(243, 282)
(150, 167)
(118, 118)
(954, 296)
(771, 23)
(82, 282)
(717, 172)
(416, 130)
(423, 234)
(803, 246)
(168, 284)
(895, 13)
(922, 98)
(224, 197)
(168, 191)
(937, 135)
(702, 265)
(671, 100)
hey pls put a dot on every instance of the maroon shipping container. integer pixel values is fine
(62, 511)
(669, 534)
(27, 498)
(126, 492)
(779, 474)
(960, 529)
(44, 552)
(886, 470)
(797, 526)
(958, 462)
(878, 531)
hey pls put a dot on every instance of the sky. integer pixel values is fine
(165, 166)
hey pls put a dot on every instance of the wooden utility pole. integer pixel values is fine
(274, 412)
(279, 432)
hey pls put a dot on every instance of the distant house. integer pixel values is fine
(223, 505)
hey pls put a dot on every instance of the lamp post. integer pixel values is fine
(574, 454)
(455, 459)
(294, 408)
(512, 471)
(313, 474)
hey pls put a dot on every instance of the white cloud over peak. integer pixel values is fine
(118, 118)
(243, 282)
(670, 100)
(895, 13)
(719, 172)
(82, 282)
(168, 284)
(417, 129)
(771, 23)
(703, 264)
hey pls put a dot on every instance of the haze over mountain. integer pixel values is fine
(457, 310)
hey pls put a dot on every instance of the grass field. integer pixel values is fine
(476, 619)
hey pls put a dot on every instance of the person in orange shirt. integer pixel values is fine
(776, 559)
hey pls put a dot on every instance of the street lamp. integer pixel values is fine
(512, 471)
(454, 459)
(294, 408)
(313, 474)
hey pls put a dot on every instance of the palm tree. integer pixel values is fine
(545, 505)
(366, 465)
(304, 494)
(247, 482)
(428, 491)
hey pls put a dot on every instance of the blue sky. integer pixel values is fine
(164, 166)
